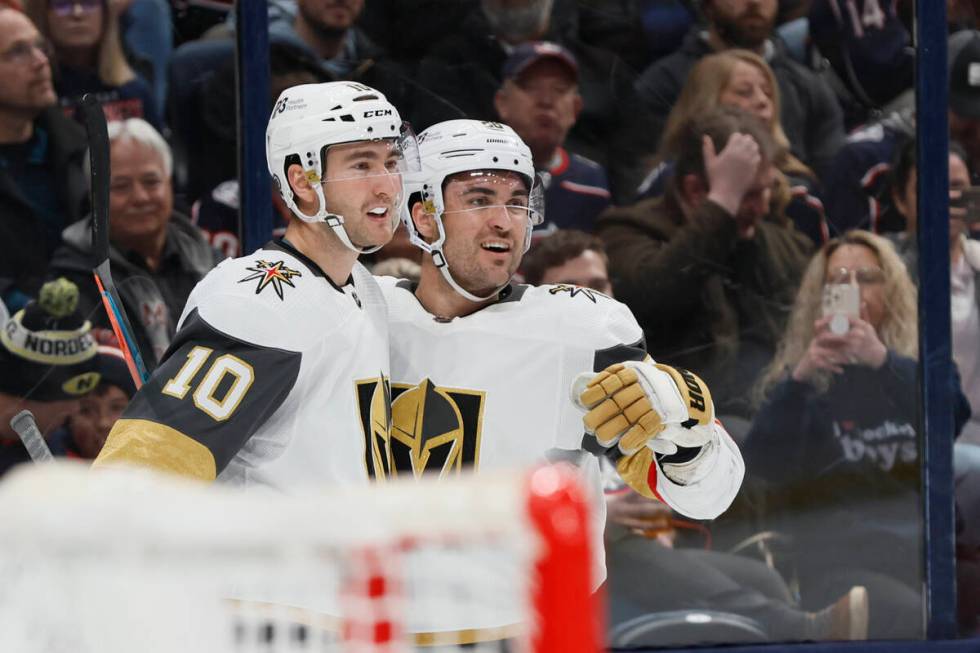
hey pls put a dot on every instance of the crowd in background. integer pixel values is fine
(740, 173)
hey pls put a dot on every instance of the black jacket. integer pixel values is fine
(850, 454)
(810, 115)
(707, 301)
(25, 254)
(152, 301)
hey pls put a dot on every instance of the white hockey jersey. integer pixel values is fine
(273, 378)
(493, 389)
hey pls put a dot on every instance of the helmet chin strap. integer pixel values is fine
(332, 220)
(439, 259)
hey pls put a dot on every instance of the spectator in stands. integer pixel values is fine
(836, 435)
(539, 99)
(964, 255)
(569, 257)
(216, 213)
(157, 254)
(42, 186)
(328, 31)
(88, 428)
(89, 57)
(857, 193)
(462, 74)
(323, 35)
(147, 28)
(869, 51)
(810, 114)
(740, 78)
(641, 533)
(37, 376)
(708, 278)
(639, 31)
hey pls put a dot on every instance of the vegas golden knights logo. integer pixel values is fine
(374, 405)
(434, 430)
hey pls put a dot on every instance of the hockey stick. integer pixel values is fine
(98, 149)
(23, 422)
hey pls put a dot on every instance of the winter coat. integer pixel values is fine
(26, 252)
(706, 300)
(153, 301)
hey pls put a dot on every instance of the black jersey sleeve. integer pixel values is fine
(209, 395)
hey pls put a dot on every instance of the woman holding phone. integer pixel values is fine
(836, 436)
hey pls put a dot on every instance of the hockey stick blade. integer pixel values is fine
(23, 422)
(98, 142)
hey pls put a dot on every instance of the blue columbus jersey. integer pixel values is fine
(858, 183)
(576, 193)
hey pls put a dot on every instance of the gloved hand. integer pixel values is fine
(632, 404)
(656, 423)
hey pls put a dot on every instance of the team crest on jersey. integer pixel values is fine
(374, 406)
(576, 291)
(273, 274)
(434, 430)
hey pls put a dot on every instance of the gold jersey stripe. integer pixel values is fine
(333, 624)
(149, 444)
(471, 636)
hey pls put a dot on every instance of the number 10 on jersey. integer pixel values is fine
(204, 397)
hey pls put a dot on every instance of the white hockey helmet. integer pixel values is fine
(456, 146)
(308, 118)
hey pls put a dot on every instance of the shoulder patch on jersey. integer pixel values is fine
(577, 291)
(271, 273)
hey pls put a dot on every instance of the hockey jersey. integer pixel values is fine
(492, 389)
(273, 377)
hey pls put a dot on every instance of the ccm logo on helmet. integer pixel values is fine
(377, 113)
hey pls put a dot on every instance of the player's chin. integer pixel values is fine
(376, 234)
(495, 277)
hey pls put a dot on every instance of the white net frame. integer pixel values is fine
(123, 560)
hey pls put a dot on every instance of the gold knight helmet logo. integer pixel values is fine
(374, 403)
(434, 430)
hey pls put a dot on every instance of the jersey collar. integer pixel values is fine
(512, 292)
(283, 245)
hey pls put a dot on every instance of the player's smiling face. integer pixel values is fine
(362, 184)
(486, 220)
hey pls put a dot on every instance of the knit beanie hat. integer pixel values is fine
(48, 352)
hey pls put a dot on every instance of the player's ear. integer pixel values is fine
(425, 223)
(301, 186)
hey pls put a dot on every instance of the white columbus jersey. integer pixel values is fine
(273, 378)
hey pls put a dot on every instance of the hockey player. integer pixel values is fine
(261, 383)
(490, 374)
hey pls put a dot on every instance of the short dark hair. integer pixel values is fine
(558, 248)
(719, 125)
(905, 162)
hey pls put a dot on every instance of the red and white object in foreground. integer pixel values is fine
(121, 560)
